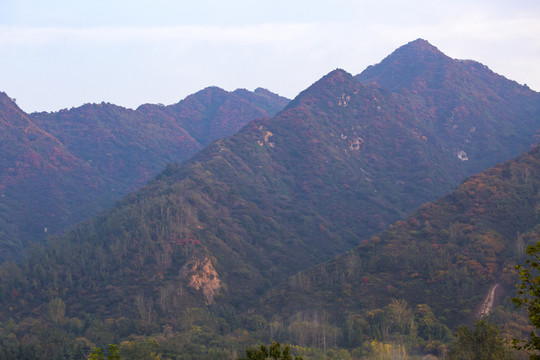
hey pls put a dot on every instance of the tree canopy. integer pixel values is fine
(271, 352)
(481, 343)
(529, 298)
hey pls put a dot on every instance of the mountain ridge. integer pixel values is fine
(115, 150)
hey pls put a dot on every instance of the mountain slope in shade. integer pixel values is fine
(131, 146)
(448, 254)
(39, 180)
(338, 164)
(218, 112)
(110, 151)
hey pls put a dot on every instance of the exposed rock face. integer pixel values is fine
(202, 276)
(487, 304)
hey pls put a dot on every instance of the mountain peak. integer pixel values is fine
(422, 68)
(420, 45)
(406, 65)
(338, 74)
(419, 50)
(335, 81)
(337, 77)
(6, 100)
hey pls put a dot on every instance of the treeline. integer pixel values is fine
(396, 329)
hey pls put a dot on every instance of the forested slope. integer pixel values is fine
(60, 168)
(447, 254)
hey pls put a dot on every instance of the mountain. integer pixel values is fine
(105, 151)
(131, 146)
(448, 256)
(39, 180)
(461, 100)
(341, 162)
(217, 112)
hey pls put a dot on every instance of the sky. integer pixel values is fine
(57, 54)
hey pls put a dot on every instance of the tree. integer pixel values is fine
(56, 310)
(482, 343)
(529, 298)
(271, 352)
(97, 354)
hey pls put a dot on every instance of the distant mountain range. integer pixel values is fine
(60, 168)
(340, 163)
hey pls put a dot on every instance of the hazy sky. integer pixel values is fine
(58, 54)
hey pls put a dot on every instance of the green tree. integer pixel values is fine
(529, 298)
(482, 343)
(140, 350)
(271, 352)
(97, 354)
(56, 310)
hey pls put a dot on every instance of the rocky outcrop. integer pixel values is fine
(203, 277)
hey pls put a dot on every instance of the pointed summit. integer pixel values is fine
(420, 46)
(334, 77)
(419, 51)
(9, 111)
(4, 98)
(420, 68)
(335, 83)
(406, 65)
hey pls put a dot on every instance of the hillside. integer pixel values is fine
(107, 151)
(461, 100)
(37, 174)
(131, 146)
(446, 256)
(203, 241)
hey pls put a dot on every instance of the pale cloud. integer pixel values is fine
(248, 35)
(66, 56)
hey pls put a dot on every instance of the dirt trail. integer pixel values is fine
(487, 304)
